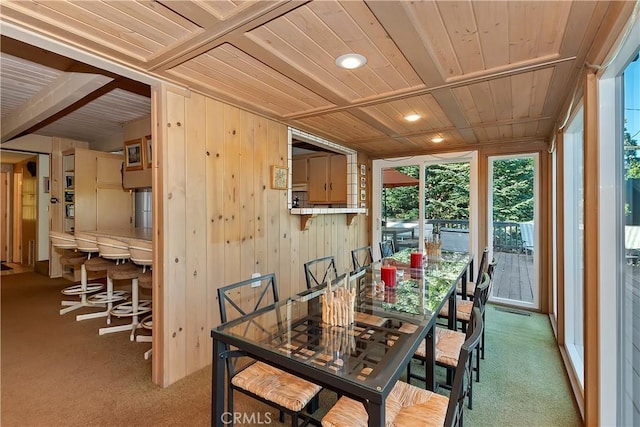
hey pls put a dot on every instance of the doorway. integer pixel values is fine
(513, 229)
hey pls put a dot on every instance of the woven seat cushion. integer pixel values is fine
(145, 280)
(126, 271)
(463, 310)
(448, 344)
(369, 319)
(276, 386)
(98, 264)
(73, 259)
(471, 289)
(406, 405)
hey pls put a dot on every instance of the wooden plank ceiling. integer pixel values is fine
(478, 72)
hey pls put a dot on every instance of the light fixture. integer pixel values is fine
(351, 61)
(437, 139)
(412, 117)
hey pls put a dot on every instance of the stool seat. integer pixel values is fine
(98, 264)
(74, 259)
(126, 271)
(145, 280)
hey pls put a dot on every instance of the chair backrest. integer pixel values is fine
(141, 252)
(482, 268)
(361, 257)
(387, 248)
(113, 248)
(62, 240)
(490, 271)
(481, 293)
(86, 242)
(245, 297)
(463, 374)
(318, 271)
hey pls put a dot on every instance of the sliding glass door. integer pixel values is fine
(512, 206)
(426, 197)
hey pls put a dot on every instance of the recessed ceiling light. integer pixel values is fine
(437, 139)
(412, 117)
(351, 61)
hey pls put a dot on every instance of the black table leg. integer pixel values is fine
(217, 384)
(376, 413)
(430, 364)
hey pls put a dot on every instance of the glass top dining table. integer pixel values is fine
(363, 360)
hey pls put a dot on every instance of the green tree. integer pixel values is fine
(513, 190)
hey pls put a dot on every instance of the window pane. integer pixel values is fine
(574, 241)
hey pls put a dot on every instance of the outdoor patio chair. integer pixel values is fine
(283, 391)
(319, 271)
(361, 257)
(408, 405)
(387, 248)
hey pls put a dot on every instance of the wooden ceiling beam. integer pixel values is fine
(61, 94)
(215, 35)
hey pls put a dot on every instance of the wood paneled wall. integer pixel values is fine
(218, 221)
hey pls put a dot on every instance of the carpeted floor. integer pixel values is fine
(59, 372)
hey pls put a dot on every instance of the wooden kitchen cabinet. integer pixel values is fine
(299, 171)
(327, 181)
(93, 194)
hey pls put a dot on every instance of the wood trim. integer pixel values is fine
(560, 237)
(158, 117)
(545, 231)
(591, 251)
(573, 380)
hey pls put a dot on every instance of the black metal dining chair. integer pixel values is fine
(408, 405)
(320, 270)
(471, 285)
(283, 391)
(361, 257)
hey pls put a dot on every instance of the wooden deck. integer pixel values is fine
(513, 276)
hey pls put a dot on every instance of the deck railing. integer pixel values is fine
(507, 235)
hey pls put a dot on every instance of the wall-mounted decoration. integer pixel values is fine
(133, 154)
(363, 182)
(149, 147)
(363, 169)
(363, 195)
(279, 177)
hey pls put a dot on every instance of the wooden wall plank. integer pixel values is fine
(196, 295)
(175, 304)
(215, 203)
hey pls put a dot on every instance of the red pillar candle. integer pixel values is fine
(416, 259)
(388, 275)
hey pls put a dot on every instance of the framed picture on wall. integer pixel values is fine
(279, 177)
(133, 154)
(363, 169)
(148, 145)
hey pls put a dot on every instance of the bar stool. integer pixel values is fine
(88, 243)
(115, 249)
(76, 260)
(145, 281)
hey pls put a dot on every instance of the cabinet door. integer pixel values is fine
(317, 186)
(298, 171)
(115, 209)
(338, 179)
(109, 171)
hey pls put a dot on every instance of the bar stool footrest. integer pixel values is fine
(104, 298)
(80, 289)
(126, 309)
